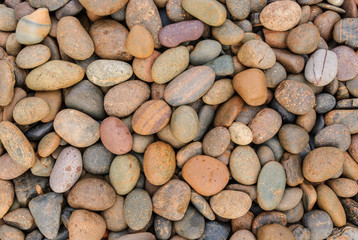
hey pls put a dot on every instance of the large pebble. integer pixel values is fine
(293, 63)
(345, 117)
(20, 218)
(240, 133)
(184, 124)
(205, 51)
(238, 9)
(205, 174)
(343, 187)
(33, 56)
(303, 39)
(92, 194)
(114, 216)
(280, 16)
(151, 117)
(140, 42)
(142, 67)
(322, 67)
(336, 135)
(103, 8)
(293, 138)
(162, 227)
(200, 9)
(192, 225)
(292, 164)
(17, 145)
(257, 54)
(30, 110)
(216, 230)
(159, 163)
(202, 205)
(322, 163)
(325, 23)
(76, 128)
(271, 185)
(6, 196)
(345, 31)
(189, 86)
(53, 75)
(54, 100)
(230, 204)
(137, 209)
(266, 218)
(67, 170)
(34, 27)
(351, 208)
(221, 91)
(7, 19)
(88, 225)
(170, 64)
(216, 141)
(50, 5)
(172, 199)
(244, 165)
(9, 169)
(274, 231)
(347, 63)
(290, 199)
(296, 97)
(265, 125)
(319, 223)
(228, 33)
(7, 83)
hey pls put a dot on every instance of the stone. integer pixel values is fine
(175, 11)
(159, 163)
(325, 23)
(205, 51)
(177, 91)
(86, 224)
(221, 91)
(187, 152)
(86, 129)
(73, 39)
(17, 145)
(309, 196)
(265, 154)
(228, 33)
(350, 207)
(266, 218)
(173, 34)
(202, 205)
(33, 56)
(353, 148)
(216, 141)
(71, 8)
(8, 19)
(6, 196)
(50, 5)
(206, 116)
(292, 164)
(91, 194)
(200, 8)
(292, 62)
(166, 135)
(319, 223)
(347, 63)
(39, 130)
(275, 75)
(43, 166)
(291, 197)
(216, 230)
(230, 204)
(184, 124)
(67, 170)
(293, 138)
(172, 199)
(345, 30)
(329, 202)
(336, 135)
(191, 226)
(22, 9)
(303, 39)
(238, 9)
(275, 39)
(240, 133)
(274, 231)
(228, 111)
(271, 185)
(46, 210)
(97, 159)
(33, 28)
(20, 218)
(137, 209)
(7, 112)
(114, 216)
(242, 223)
(140, 42)
(257, 54)
(8, 232)
(54, 75)
(307, 121)
(140, 142)
(243, 234)
(7, 83)
(30, 110)
(142, 67)
(343, 187)
(251, 86)
(9, 169)
(265, 125)
(222, 66)
(208, 180)
(103, 8)
(324, 103)
(350, 8)
(345, 117)
(54, 100)
(295, 214)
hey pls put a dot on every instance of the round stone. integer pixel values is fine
(6, 196)
(221, 91)
(319, 223)
(290, 199)
(184, 124)
(192, 225)
(33, 56)
(86, 224)
(137, 209)
(9, 169)
(240, 133)
(336, 135)
(274, 231)
(30, 110)
(140, 42)
(114, 216)
(256, 54)
(293, 138)
(97, 159)
(200, 9)
(303, 39)
(216, 141)
(205, 51)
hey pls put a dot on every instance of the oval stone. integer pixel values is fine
(244, 165)
(281, 15)
(184, 124)
(97, 159)
(192, 225)
(228, 33)
(151, 117)
(142, 67)
(290, 199)
(174, 34)
(159, 163)
(202, 205)
(170, 64)
(322, 163)
(345, 30)
(30, 110)
(347, 63)
(50, 5)
(205, 51)
(319, 223)
(303, 39)
(265, 218)
(105, 73)
(275, 231)
(271, 185)
(92, 194)
(73, 39)
(7, 82)
(17, 145)
(67, 170)
(256, 54)
(189, 86)
(292, 164)
(238, 9)
(54, 100)
(205, 174)
(76, 128)
(216, 141)
(221, 91)
(293, 138)
(7, 19)
(201, 8)
(115, 136)
(9, 169)
(140, 42)
(230, 204)
(343, 187)
(7, 195)
(137, 209)
(53, 75)
(345, 117)
(336, 135)
(86, 224)
(33, 56)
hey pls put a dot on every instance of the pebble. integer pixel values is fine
(221, 91)
(73, 39)
(275, 75)
(6, 196)
(142, 67)
(12, 46)
(215, 230)
(266, 218)
(138, 236)
(140, 142)
(350, 167)
(97, 159)
(46, 210)
(293, 138)
(114, 216)
(172, 199)
(243, 234)
(238, 9)
(187, 152)
(319, 223)
(251, 86)
(293, 63)
(7, 112)
(353, 148)
(303, 39)
(137, 209)
(33, 56)
(140, 42)
(30, 110)
(287, 117)
(177, 91)
(257, 54)
(343, 187)
(206, 115)
(280, 16)
(144, 12)
(324, 103)
(336, 135)
(54, 100)
(292, 164)
(265, 125)
(242, 223)
(290, 199)
(244, 165)
(265, 154)
(240, 133)
(86, 129)
(8, 232)
(192, 225)
(20, 218)
(86, 224)
(92, 194)
(329, 202)
(228, 111)
(200, 8)
(33, 28)
(52, 6)
(103, 8)
(345, 30)
(205, 51)
(351, 207)
(325, 23)
(166, 135)
(228, 33)
(271, 185)
(71, 8)
(184, 124)
(43, 166)
(347, 63)
(8, 20)
(216, 141)
(162, 227)
(9, 169)
(22, 9)
(208, 180)
(345, 117)
(38, 131)
(109, 38)
(274, 231)
(124, 173)
(7, 83)
(295, 214)
(222, 66)
(175, 11)
(202, 206)
(230, 204)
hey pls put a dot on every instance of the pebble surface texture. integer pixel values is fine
(178, 119)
